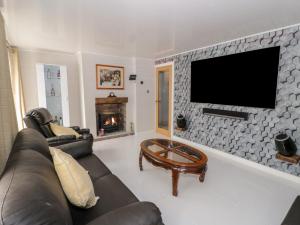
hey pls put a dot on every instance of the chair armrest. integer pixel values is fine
(78, 149)
(80, 131)
(293, 215)
(86, 137)
(84, 131)
(76, 128)
(58, 140)
(138, 213)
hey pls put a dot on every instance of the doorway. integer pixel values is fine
(163, 99)
(53, 91)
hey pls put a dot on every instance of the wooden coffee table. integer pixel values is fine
(174, 156)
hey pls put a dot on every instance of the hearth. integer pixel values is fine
(111, 114)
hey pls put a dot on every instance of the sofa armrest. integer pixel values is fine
(138, 213)
(293, 215)
(86, 137)
(80, 131)
(58, 140)
(78, 149)
(84, 131)
(76, 128)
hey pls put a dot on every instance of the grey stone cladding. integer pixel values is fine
(252, 139)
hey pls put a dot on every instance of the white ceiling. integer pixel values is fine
(142, 28)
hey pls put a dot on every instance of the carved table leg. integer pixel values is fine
(175, 177)
(202, 174)
(166, 154)
(141, 160)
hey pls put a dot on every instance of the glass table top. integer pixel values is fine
(173, 150)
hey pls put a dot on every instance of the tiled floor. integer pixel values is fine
(232, 193)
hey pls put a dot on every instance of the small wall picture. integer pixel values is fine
(109, 77)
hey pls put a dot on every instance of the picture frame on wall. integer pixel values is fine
(109, 77)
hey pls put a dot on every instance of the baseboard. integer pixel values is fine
(112, 136)
(244, 162)
(144, 131)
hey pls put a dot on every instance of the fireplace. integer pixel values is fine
(111, 114)
(110, 121)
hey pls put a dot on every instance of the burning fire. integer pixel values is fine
(110, 121)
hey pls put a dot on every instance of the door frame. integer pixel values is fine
(170, 68)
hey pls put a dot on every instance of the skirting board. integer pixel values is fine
(112, 136)
(244, 162)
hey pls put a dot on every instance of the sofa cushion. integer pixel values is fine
(137, 213)
(31, 193)
(94, 165)
(61, 130)
(31, 139)
(74, 179)
(113, 195)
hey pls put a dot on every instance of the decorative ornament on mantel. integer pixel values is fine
(111, 94)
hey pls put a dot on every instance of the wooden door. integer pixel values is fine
(163, 99)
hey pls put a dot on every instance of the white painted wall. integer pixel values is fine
(81, 68)
(28, 61)
(145, 102)
(89, 91)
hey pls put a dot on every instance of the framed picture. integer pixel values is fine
(109, 77)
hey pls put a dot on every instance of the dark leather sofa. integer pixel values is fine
(293, 215)
(40, 119)
(31, 194)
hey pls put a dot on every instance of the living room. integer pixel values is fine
(150, 112)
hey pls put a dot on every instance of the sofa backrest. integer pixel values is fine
(31, 139)
(41, 115)
(30, 191)
(31, 123)
(39, 120)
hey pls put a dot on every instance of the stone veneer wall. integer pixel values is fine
(252, 139)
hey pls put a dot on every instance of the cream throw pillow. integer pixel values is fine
(60, 130)
(74, 179)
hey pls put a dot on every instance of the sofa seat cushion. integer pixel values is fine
(94, 166)
(113, 194)
(31, 193)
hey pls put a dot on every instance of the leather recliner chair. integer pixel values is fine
(40, 119)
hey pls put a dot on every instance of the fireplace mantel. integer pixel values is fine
(111, 100)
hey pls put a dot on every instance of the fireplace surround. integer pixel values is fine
(111, 114)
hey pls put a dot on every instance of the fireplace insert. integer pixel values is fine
(110, 122)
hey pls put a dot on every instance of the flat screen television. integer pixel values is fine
(243, 79)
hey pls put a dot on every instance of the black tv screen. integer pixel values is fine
(242, 79)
